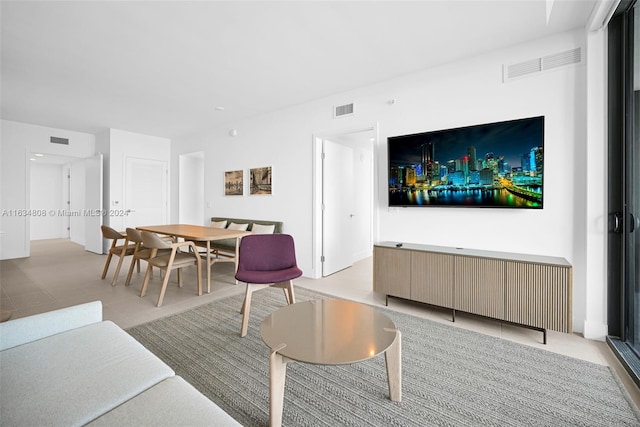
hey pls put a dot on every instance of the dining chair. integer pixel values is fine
(169, 260)
(266, 260)
(121, 251)
(140, 252)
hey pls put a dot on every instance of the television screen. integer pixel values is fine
(489, 165)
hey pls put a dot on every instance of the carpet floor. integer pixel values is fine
(450, 376)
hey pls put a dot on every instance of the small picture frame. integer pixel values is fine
(260, 180)
(233, 183)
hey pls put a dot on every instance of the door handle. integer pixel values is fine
(617, 222)
(632, 223)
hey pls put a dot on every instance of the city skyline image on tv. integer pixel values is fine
(489, 165)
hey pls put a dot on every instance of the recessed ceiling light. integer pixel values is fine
(39, 155)
(220, 108)
(32, 159)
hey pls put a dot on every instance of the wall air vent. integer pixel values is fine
(57, 140)
(573, 56)
(544, 63)
(524, 68)
(344, 110)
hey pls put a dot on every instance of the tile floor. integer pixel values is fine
(60, 273)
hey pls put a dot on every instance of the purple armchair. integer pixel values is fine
(266, 260)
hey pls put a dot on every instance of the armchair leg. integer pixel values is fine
(246, 305)
(245, 311)
(167, 274)
(164, 288)
(117, 272)
(288, 292)
(133, 263)
(287, 287)
(145, 282)
(106, 265)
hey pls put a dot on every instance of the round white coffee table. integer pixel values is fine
(328, 332)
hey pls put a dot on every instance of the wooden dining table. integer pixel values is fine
(200, 233)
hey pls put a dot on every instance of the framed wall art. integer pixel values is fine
(260, 180)
(233, 183)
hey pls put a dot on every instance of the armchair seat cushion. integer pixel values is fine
(146, 253)
(181, 259)
(269, 276)
(117, 250)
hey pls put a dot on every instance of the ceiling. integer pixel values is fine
(172, 68)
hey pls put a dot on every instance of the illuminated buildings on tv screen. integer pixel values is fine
(497, 165)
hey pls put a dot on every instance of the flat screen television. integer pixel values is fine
(496, 165)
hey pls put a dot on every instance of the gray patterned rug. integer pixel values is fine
(451, 376)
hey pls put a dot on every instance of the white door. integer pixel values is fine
(93, 199)
(337, 202)
(145, 192)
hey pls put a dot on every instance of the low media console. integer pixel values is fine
(526, 290)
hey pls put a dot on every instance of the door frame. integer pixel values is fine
(316, 220)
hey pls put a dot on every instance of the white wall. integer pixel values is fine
(191, 195)
(460, 94)
(78, 199)
(592, 247)
(16, 142)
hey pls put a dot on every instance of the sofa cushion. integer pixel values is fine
(229, 245)
(172, 402)
(219, 224)
(263, 229)
(74, 377)
(277, 229)
(240, 227)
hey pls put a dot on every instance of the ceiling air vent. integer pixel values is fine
(344, 110)
(544, 63)
(56, 140)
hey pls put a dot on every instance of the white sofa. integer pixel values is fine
(69, 367)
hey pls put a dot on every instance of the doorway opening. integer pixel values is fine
(66, 195)
(344, 200)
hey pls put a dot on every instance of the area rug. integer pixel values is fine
(451, 376)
